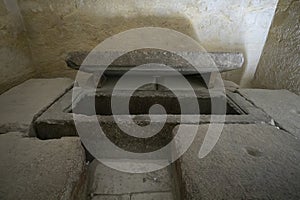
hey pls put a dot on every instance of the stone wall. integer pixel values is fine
(57, 27)
(42, 32)
(279, 67)
(15, 56)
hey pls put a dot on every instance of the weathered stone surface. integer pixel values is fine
(86, 23)
(153, 196)
(248, 162)
(106, 181)
(204, 61)
(231, 86)
(138, 196)
(112, 197)
(279, 65)
(35, 169)
(16, 64)
(282, 105)
(22, 103)
(57, 120)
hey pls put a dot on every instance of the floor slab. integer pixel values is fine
(34, 169)
(111, 197)
(107, 183)
(153, 196)
(248, 162)
(283, 106)
(19, 105)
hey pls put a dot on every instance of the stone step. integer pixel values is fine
(248, 162)
(22, 103)
(33, 169)
(109, 184)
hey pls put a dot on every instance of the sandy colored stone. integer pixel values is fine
(279, 65)
(32, 169)
(22, 103)
(16, 64)
(56, 28)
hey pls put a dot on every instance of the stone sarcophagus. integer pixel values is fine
(57, 120)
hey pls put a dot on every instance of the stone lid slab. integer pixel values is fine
(224, 61)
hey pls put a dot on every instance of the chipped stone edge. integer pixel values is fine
(31, 131)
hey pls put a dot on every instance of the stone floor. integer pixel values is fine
(106, 183)
(283, 106)
(33, 169)
(250, 161)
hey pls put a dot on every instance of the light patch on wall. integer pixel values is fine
(279, 66)
(69, 25)
(15, 55)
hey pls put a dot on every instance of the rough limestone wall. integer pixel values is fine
(279, 67)
(57, 27)
(15, 56)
